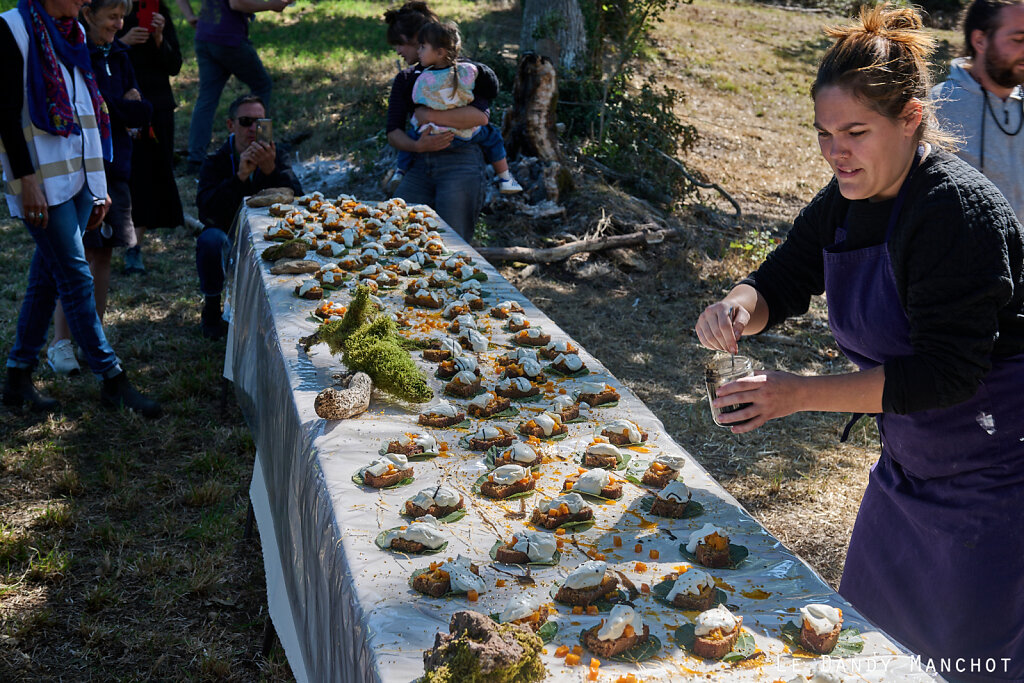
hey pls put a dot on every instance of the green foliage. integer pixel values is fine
(369, 342)
(757, 245)
(612, 118)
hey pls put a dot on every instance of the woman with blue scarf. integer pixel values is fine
(55, 132)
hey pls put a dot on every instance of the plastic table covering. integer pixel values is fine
(343, 607)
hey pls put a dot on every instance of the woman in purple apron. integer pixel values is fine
(921, 261)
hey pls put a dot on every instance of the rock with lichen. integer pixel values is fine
(478, 650)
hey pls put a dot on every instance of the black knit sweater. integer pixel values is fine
(958, 256)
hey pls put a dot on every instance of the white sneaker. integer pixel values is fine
(392, 182)
(61, 358)
(509, 185)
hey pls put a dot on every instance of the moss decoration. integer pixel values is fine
(369, 342)
(464, 667)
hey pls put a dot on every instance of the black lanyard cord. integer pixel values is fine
(986, 104)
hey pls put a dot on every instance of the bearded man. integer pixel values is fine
(982, 102)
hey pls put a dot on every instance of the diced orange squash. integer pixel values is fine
(617, 541)
(599, 556)
(434, 565)
(716, 541)
(653, 554)
(640, 567)
(577, 609)
(563, 509)
(592, 609)
(536, 475)
(553, 512)
(572, 659)
(500, 583)
(638, 548)
(562, 651)
(658, 467)
(628, 631)
(595, 663)
(559, 531)
(559, 543)
(578, 649)
(645, 588)
(490, 477)
(472, 595)
(593, 674)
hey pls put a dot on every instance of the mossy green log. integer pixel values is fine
(463, 667)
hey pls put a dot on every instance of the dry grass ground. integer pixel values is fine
(120, 553)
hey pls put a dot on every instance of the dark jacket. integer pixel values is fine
(115, 77)
(220, 191)
(957, 255)
(155, 65)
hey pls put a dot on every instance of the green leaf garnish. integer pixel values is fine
(638, 653)
(850, 642)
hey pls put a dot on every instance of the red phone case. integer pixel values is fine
(147, 8)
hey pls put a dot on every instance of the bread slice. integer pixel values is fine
(454, 388)
(609, 395)
(386, 479)
(585, 596)
(436, 355)
(700, 602)
(713, 551)
(512, 392)
(437, 511)
(499, 491)
(441, 421)
(555, 521)
(526, 429)
(822, 645)
(494, 406)
(658, 475)
(437, 582)
(622, 439)
(447, 369)
(670, 508)
(408, 450)
(716, 644)
(610, 648)
(525, 340)
(600, 460)
(407, 546)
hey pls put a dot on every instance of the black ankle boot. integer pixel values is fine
(19, 390)
(116, 392)
(212, 325)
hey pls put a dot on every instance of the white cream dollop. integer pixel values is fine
(821, 618)
(673, 462)
(531, 368)
(587, 575)
(307, 286)
(424, 530)
(560, 403)
(476, 341)
(548, 423)
(532, 332)
(520, 452)
(592, 388)
(442, 496)
(506, 475)
(691, 582)
(621, 616)
(719, 617)
(700, 534)
(518, 320)
(675, 492)
(487, 432)
(538, 546)
(629, 429)
(379, 466)
(592, 482)
(442, 409)
(519, 607)
(465, 363)
(573, 501)
(604, 449)
(464, 377)
(482, 400)
(462, 579)
(466, 320)
(571, 361)
(424, 441)
(520, 384)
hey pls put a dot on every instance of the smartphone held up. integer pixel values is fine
(265, 131)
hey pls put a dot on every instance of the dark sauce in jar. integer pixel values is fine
(722, 371)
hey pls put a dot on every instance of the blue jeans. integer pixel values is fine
(59, 269)
(487, 137)
(213, 248)
(451, 182)
(217, 63)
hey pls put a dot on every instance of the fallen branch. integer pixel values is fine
(564, 251)
(698, 183)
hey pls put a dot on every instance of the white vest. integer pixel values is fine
(63, 164)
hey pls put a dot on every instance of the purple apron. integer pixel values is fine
(936, 558)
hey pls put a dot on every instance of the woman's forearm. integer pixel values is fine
(400, 141)
(854, 392)
(460, 117)
(751, 300)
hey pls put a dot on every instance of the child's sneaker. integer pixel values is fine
(61, 358)
(509, 185)
(133, 261)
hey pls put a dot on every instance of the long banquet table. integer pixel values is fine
(343, 608)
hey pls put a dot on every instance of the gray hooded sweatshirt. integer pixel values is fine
(962, 110)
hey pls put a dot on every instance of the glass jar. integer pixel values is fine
(722, 370)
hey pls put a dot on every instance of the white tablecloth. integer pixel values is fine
(343, 607)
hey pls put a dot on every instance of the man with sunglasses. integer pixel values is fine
(241, 167)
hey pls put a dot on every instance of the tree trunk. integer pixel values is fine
(554, 29)
(529, 127)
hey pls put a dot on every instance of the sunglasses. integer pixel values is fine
(247, 121)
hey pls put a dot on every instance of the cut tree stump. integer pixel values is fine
(529, 127)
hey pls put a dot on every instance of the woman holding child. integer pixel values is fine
(922, 263)
(443, 171)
